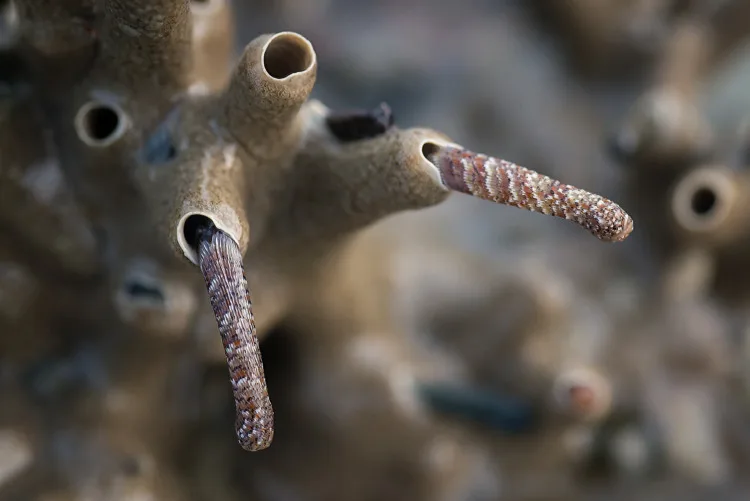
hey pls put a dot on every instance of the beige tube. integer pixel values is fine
(665, 126)
(213, 48)
(710, 206)
(148, 43)
(55, 27)
(272, 80)
(338, 187)
(204, 181)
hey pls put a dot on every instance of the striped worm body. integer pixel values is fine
(506, 183)
(220, 261)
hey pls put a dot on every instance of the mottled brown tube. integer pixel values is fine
(220, 261)
(506, 183)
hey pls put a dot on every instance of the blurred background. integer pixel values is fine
(533, 362)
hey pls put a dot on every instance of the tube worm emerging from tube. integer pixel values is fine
(220, 262)
(506, 183)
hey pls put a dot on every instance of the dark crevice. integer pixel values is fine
(196, 228)
(100, 122)
(355, 125)
(144, 291)
(703, 201)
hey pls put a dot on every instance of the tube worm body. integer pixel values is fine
(220, 261)
(506, 183)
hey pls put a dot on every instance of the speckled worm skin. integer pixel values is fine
(506, 183)
(220, 261)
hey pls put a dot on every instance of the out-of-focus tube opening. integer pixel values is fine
(99, 124)
(703, 200)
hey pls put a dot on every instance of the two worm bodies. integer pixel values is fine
(488, 178)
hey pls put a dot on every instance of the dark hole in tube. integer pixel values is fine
(144, 291)
(355, 125)
(429, 150)
(195, 228)
(284, 56)
(101, 122)
(703, 201)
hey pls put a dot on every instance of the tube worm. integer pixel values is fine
(220, 262)
(506, 183)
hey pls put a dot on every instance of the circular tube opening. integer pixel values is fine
(703, 199)
(191, 229)
(99, 124)
(287, 54)
(430, 149)
(583, 393)
(190, 226)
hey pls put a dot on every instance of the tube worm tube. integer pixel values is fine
(506, 183)
(353, 170)
(709, 206)
(272, 81)
(665, 125)
(220, 262)
(57, 37)
(148, 42)
(213, 45)
(54, 27)
(205, 179)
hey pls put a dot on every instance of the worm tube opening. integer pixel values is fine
(194, 228)
(193, 225)
(583, 393)
(430, 153)
(99, 124)
(703, 200)
(287, 54)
